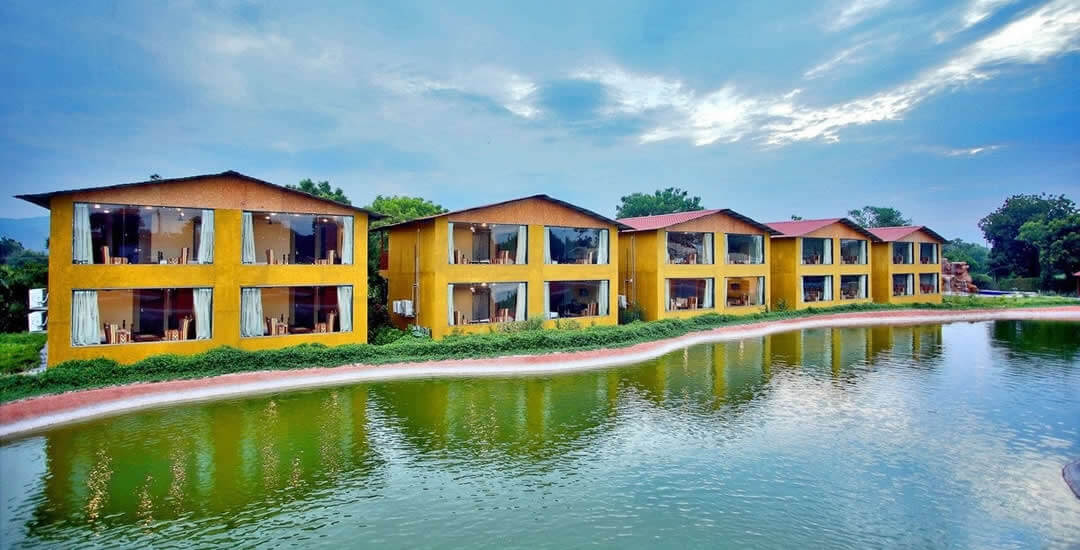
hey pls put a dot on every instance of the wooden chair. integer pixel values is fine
(330, 318)
(106, 257)
(185, 326)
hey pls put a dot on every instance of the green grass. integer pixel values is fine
(520, 338)
(20, 351)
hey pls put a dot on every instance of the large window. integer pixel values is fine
(282, 310)
(852, 287)
(131, 234)
(575, 245)
(853, 251)
(817, 288)
(126, 316)
(745, 249)
(902, 253)
(745, 291)
(683, 294)
(816, 251)
(576, 299)
(487, 243)
(480, 303)
(928, 283)
(903, 284)
(928, 253)
(286, 238)
(689, 248)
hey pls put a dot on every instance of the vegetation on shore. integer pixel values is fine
(20, 351)
(510, 339)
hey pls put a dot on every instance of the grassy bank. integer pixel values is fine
(517, 340)
(20, 351)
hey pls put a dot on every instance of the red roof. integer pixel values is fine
(899, 232)
(660, 221)
(804, 227)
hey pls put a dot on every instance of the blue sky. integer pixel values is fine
(941, 109)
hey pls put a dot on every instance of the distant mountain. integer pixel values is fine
(31, 232)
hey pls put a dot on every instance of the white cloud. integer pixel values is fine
(513, 92)
(855, 12)
(975, 12)
(970, 151)
(845, 57)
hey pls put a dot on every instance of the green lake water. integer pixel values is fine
(913, 436)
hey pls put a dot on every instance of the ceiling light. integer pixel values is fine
(97, 206)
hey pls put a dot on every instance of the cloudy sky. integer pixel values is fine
(941, 109)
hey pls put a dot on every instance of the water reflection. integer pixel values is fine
(1054, 339)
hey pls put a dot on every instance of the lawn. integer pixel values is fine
(20, 351)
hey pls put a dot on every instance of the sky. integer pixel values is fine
(941, 109)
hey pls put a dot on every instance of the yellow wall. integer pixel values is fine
(788, 269)
(425, 243)
(643, 269)
(884, 269)
(229, 197)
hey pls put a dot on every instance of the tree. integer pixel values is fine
(878, 216)
(668, 201)
(1009, 255)
(399, 209)
(321, 190)
(976, 255)
(1057, 241)
(20, 270)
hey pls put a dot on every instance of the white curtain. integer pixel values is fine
(910, 284)
(203, 298)
(547, 246)
(862, 252)
(251, 312)
(757, 249)
(346, 247)
(667, 247)
(450, 252)
(523, 242)
(862, 286)
(707, 249)
(206, 238)
(760, 291)
(708, 302)
(826, 293)
(603, 299)
(344, 307)
(547, 300)
(85, 320)
(602, 252)
(826, 256)
(667, 294)
(450, 305)
(82, 249)
(519, 312)
(247, 235)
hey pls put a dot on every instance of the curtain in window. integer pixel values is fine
(760, 290)
(603, 298)
(206, 238)
(707, 249)
(82, 249)
(547, 246)
(826, 255)
(523, 242)
(450, 256)
(602, 250)
(757, 249)
(910, 285)
(826, 293)
(203, 299)
(547, 299)
(346, 245)
(667, 295)
(707, 303)
(862, 252)
(450, 304)
(85, 320)
(862, 286)
(251, 312)
(519, 311)
(247, 236)
(344, 306)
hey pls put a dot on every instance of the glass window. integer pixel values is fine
(286, 238)
(852, 287)
(902, 253)
(928, 283)
(853, 251)
(278, 311)
(576, 299)
(745, 249)
(689, 248)
(903, 284)
(575, 245)
(745, 291)
(689, 294)
(488, 243)
(481, 303)
(817, 288)
(928, 253)
(816, 251)
(125, 316)
(131, 234)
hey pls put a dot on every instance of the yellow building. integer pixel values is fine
(907, 265)
(821, 263)
(689, 263)
(468, 270)
(188, 264)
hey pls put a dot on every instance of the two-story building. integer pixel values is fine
(533, 257)
(907, 265)
(821, 263)
(690, 263)
(188, 264)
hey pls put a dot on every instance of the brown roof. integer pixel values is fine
(660, 221)
(802, 227)
(896, 233)
(44, 199)
(584, 211)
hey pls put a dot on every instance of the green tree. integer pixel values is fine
(20, 271)
(975, 254)
(667, 201)
(878, 216)
(1057, 241)
(1009, 255)
(399, 209)
(321, 190)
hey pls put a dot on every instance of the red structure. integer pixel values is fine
(955, 277)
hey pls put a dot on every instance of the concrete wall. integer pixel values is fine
(884, 269)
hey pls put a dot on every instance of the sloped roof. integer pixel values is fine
(44, 199)
(802, 227)
(541, 196)
(660, 221)
(896, 233)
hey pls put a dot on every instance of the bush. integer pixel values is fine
(1025, 284)
(983, 281)
(567, 324)
(631, 314)
(387, 335)
(781, 305)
